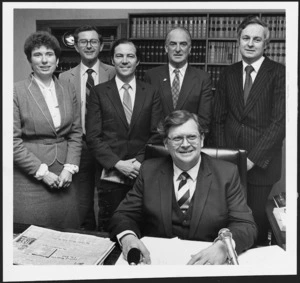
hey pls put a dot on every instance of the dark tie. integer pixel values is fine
(248, 83)
(183, 191)
(127, 104)
(175, 88)
(89, 82)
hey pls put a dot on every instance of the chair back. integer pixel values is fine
(236, 156)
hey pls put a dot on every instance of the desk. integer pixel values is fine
(278, 234)
(111, 258)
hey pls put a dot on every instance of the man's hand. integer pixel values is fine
(128, 168)
(65, 179)
(51, 179)
(250, 164)
(131, 241)
(214, 254)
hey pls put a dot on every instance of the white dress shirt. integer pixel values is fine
(182, 71)
(131, 90)
(256, 65)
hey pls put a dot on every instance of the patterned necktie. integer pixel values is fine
(127, 104)
(183, 191)
(89, 83)
(248, 83)
(175, 88)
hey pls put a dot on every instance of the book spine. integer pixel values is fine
(133, 28)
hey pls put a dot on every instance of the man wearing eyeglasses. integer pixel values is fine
(91, 71)
(187, 195)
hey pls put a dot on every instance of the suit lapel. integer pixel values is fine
(166, 88)
(262, 78)
(103, 76)
(165, 181)
(60, 99)
(140, 97)
(204, 180)
(114, 96)
(76, 81)
(38, 97)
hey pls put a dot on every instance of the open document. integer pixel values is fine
(41, 246)
(178, 252)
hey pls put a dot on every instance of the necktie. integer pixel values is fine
(89, 82)
(248, 83)
(127, 104)
(175, 88)
(183, 191)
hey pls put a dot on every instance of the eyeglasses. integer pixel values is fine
(178, 140)
(84, 42)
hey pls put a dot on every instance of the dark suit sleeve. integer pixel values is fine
(273, 135)
(220, 111)
(129, 214)
(147, 78)
(205, 104)
(100, 149)
(240, 219)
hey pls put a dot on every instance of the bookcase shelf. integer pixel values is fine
(214, 38)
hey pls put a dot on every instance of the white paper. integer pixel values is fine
(41, 246)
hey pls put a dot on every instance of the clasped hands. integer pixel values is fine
(215, 254)
(130, 168)
(62, 181)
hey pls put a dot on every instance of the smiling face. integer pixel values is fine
(88, 52)
(178, 47)
(252, 43)
(125, 61)
(184, 144)
(43, 62)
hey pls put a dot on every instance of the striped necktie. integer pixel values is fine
(248, 83)
(175, 88)
(127, 104)
(89, 83)
(183, 191)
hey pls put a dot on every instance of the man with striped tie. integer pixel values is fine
(187, 195)
(123, 115)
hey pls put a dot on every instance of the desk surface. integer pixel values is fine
(279, 235)
(111, 258)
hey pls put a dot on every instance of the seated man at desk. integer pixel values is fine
(187, 195)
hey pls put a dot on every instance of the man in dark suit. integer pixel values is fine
(122, 118)
(189, 90)
(88, 43)
(249, 113)
(188, 194)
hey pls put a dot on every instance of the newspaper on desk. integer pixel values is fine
(41, 246)
(178, 252)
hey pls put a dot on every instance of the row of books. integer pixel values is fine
(223, 52)
(154, 51)
(276, 51)
(199, 26)
(224, 27)
(215, 72)
(158, 27)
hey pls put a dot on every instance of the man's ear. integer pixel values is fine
(166, 144)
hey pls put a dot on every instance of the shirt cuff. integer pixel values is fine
(42, 171)
(123, 234)
(71, 168)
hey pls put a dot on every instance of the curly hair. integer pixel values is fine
(41, 38)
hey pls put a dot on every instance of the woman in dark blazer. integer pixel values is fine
(47, 140)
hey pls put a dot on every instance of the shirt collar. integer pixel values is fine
(42, 85)
(120, 83)
(181, 70)
(256, 65)
(193, 172)
(84, 68)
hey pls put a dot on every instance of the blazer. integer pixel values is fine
(35, 139)
(106, 72)
(258, 126)
(108, 135)
(195, 94)
(219, 202)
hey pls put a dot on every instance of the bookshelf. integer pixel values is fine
(109, 29)
(214, 42)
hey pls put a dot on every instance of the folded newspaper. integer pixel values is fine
(42, 246)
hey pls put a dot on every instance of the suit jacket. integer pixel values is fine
(258, 126)
(108, 135)
(34, 131)
(219, 202)
(106, 72)
(195, 94)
